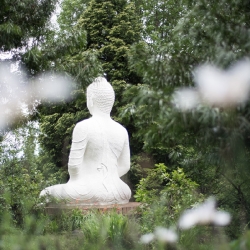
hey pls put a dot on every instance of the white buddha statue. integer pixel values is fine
(99, 154)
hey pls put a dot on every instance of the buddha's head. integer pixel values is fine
(100, 95)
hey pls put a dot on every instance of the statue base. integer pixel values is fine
(127, 208)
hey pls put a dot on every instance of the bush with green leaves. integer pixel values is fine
(23, 173)
(164, 196)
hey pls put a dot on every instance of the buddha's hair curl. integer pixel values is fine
(102, 93)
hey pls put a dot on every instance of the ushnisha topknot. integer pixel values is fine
(102, 93)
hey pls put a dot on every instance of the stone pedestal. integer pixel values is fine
(125, 209)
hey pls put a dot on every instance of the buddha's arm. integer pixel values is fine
(78, 146)
(124, 158)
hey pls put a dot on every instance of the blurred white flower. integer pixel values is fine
(221, 218)
(16, 92)
(165, 235)
(239, 88)
(146, 238)
(212, 84)
(216, 87)
(185, 99)
(162, 234)
(53, 87)
(223, 87)
(11, 95)
(203, 214)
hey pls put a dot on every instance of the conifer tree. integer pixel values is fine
(112, 27)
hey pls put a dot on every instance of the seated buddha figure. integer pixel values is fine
(99, 154)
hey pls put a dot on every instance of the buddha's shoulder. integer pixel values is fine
(118, 126)
(84, 122)
(89, 124)
(83, 125)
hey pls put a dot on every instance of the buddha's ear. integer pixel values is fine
(90, 100)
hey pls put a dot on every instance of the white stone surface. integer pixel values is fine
(99, 155)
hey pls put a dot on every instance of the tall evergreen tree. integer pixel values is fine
(112, 27)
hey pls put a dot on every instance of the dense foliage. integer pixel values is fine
(209, 143)
(147, 50)
(22, 20)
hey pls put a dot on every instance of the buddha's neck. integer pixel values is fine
(100, 115)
